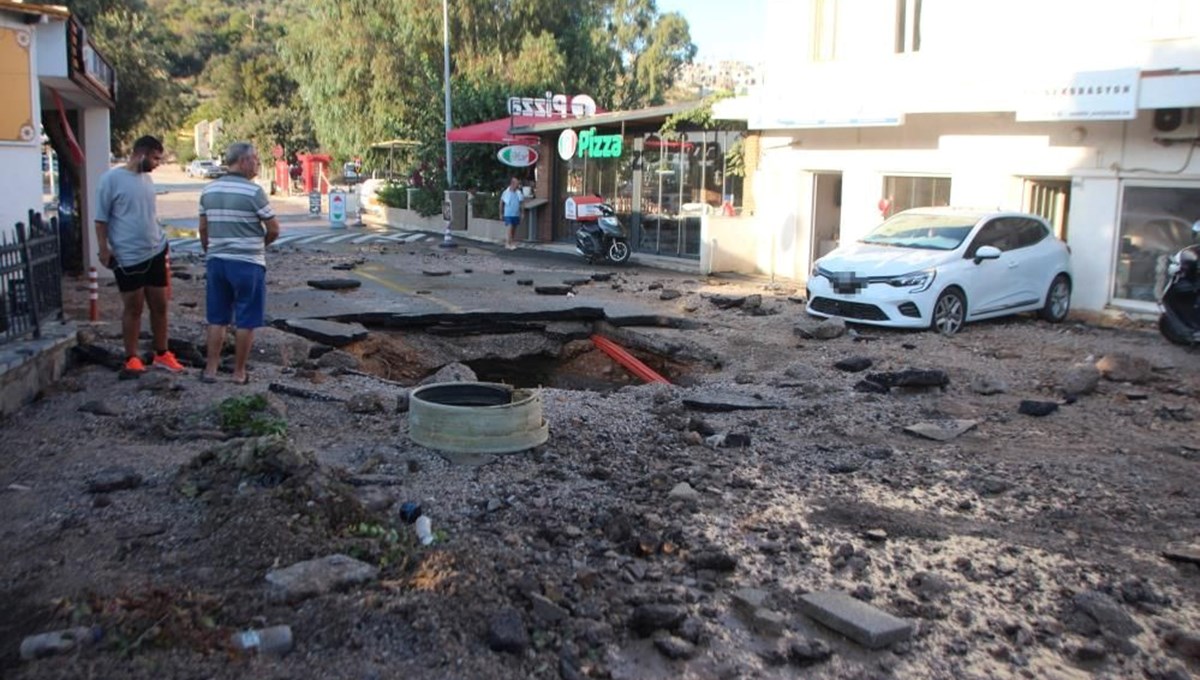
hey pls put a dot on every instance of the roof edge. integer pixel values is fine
(55, 11)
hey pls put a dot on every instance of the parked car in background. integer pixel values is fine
(942, 267)
(204, 169)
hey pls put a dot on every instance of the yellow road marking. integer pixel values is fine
(407, 291)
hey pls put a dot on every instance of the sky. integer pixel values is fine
(723, 29)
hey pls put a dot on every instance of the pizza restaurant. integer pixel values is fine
(660, 185)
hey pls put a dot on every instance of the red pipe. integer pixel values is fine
(72, 145)
(630, 362)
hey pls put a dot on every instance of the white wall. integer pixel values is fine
(1093, 239)
(987, 158)
(95, 138)
(52, 49)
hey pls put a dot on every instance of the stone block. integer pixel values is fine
(867, 625)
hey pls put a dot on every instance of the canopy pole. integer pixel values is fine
(446, 78)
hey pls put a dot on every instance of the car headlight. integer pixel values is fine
(918, 282)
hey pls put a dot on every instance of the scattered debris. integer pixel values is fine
(728, 401)
(854, 364)
(942, 431)
(1031, 407)
(335, 284)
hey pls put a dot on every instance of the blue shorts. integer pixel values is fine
(236, 292)
(512, 220)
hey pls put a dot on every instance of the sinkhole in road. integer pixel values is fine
(531, 358)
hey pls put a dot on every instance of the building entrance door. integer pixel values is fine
(827, 213)
(1051, 199)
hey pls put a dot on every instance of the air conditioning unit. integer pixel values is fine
(1168, 120)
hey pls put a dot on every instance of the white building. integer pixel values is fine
(55, 83)
(1080, 110)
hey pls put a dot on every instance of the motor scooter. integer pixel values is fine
(1180, 298)
(603, 239)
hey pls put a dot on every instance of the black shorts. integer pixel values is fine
(152, 272)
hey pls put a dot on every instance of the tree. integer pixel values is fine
(133, 41)
(380, 77)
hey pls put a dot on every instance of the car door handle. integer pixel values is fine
(1012, 264)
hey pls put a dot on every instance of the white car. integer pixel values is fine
(204, 169)
(942, 267)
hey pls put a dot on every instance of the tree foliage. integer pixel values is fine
(382, 77)
(129, 35)
(342, 74)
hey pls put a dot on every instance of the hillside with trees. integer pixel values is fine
(338, 75)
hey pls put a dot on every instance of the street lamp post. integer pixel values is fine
(446, 80)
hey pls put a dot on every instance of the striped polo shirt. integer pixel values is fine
(236, 208)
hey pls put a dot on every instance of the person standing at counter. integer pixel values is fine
(510, 209)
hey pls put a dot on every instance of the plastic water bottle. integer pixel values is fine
(424, 530)
(276, 640)
(58, 641)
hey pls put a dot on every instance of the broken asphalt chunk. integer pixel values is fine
(729, 401)
(854, 364)
(552, 290)
(942, 431)
(1182, 553)
(332, 333)
(1030, 407)
(911, 378)
(334, 284)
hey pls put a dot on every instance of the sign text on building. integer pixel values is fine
(593, 145)
(552, 106)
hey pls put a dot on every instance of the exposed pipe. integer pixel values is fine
(72, 145)
(630, 362)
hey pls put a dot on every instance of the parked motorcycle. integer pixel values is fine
(1180, 299)
(603, 239)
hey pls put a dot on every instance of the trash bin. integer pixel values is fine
(458, 209)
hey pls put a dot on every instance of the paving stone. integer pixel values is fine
(749, 599)
(867, 625)
(544, 609)
(315, 577)
(114, 479)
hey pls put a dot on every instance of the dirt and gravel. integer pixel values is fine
(1059, 546)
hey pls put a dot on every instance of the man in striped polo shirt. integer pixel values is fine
(236, 226)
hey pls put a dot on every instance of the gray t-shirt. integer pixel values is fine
(126, 203)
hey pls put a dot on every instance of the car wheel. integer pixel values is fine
(949, 312)
(1058, 300)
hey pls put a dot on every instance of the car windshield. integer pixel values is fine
(922, 230)
(204, 164)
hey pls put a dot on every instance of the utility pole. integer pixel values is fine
(446, 79)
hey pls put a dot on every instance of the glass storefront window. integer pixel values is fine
(659, 186)
(1155, 222)
(915, 192)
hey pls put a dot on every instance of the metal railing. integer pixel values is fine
(30, 279)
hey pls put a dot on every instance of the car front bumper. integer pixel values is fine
(878, 304)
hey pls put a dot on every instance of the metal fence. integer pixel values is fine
(30, 279)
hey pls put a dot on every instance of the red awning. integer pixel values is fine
(495, 131)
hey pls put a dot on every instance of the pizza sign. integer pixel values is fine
(518, 156)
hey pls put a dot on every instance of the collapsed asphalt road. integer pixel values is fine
(682, 531)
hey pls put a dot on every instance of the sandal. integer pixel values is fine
(243, 381)
(206, 378)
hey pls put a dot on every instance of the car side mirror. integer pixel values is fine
(986, 253)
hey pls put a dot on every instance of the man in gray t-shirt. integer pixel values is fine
(133, 245)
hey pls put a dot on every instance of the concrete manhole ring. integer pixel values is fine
(476, 417)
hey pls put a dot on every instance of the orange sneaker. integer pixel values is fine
(168, 362)
(135, 365)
